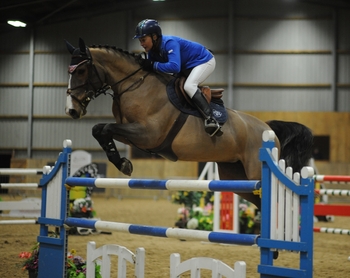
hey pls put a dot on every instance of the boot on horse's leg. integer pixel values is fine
(123, 164)
(211, 125)
(107, 144)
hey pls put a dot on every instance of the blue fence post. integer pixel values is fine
(54, 210)
(306, 193)
(266, 255)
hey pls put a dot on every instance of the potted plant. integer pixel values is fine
(31, 263)
(76, 265)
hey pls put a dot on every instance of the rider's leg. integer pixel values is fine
(197, 76)
(211, 126)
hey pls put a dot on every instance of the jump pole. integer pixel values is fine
(331, 178)
(214, 237)
(322, 209)
(26, 186)
(55, 212)
(20, 171)
(192, 185)
(19, 205)
(328, 230)
(19, 222)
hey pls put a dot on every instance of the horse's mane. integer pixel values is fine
(165, 77)
(116, 50)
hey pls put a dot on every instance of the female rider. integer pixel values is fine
(173, 55)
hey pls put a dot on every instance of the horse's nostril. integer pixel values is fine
(73, 113)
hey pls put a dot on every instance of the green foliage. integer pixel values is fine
(205, 222)
(187, 198)
(192, 216)
(76, 265)
(32, 258)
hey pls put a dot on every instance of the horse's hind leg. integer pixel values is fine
(104, 138)
(235, 171)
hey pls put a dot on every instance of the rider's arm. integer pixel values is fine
(172, 49)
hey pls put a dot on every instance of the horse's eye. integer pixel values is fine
(81, 71)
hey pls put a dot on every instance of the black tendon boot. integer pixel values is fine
(211, 126)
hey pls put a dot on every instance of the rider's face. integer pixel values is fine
(146, 42)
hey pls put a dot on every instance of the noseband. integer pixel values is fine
(94, 93)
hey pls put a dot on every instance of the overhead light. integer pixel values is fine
(16, 23)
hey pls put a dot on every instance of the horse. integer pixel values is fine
(146, 119)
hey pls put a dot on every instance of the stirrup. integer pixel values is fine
(212, 127)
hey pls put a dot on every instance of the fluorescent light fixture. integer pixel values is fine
(16, 23)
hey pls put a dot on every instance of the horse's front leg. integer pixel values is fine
(104, 136)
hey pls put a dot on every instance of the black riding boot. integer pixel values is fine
(211, 126)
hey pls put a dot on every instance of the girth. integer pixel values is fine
(165, 149)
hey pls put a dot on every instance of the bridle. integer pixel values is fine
(103, 88)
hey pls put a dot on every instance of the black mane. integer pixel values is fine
(115, 49)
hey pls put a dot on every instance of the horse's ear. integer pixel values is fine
(82, 46)
(70, 47)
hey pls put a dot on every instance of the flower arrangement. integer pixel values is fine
(197, 212)
(191, 216)
(187, 198)
(32, 260)
(76, 265)
(82, 207)
(249, 223)
(202, 218)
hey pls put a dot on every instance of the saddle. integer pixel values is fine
(178, 97)
(206, 91)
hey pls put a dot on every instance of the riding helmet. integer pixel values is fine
(147, 27)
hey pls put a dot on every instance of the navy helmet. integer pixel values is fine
(147, 27)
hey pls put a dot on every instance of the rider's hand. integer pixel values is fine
(146, 64)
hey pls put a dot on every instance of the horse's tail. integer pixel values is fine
(296, 142)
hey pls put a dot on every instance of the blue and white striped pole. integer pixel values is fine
(181, 185)
(215, 237)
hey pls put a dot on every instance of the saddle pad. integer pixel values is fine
(217, 105)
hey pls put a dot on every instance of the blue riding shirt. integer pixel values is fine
(177, 54)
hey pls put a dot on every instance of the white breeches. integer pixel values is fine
(198, 75)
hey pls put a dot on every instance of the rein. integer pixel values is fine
(132, 85)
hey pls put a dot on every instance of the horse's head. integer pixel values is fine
(90, 79)
(84, 80)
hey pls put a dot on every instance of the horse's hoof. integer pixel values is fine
(275, 255)
(126, 167)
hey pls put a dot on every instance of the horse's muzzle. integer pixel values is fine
(73, 113)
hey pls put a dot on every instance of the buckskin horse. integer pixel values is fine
(146, 119)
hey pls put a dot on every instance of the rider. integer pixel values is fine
(170, 54)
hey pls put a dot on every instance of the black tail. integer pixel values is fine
(296, 143)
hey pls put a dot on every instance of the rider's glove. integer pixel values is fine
(146, 64)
